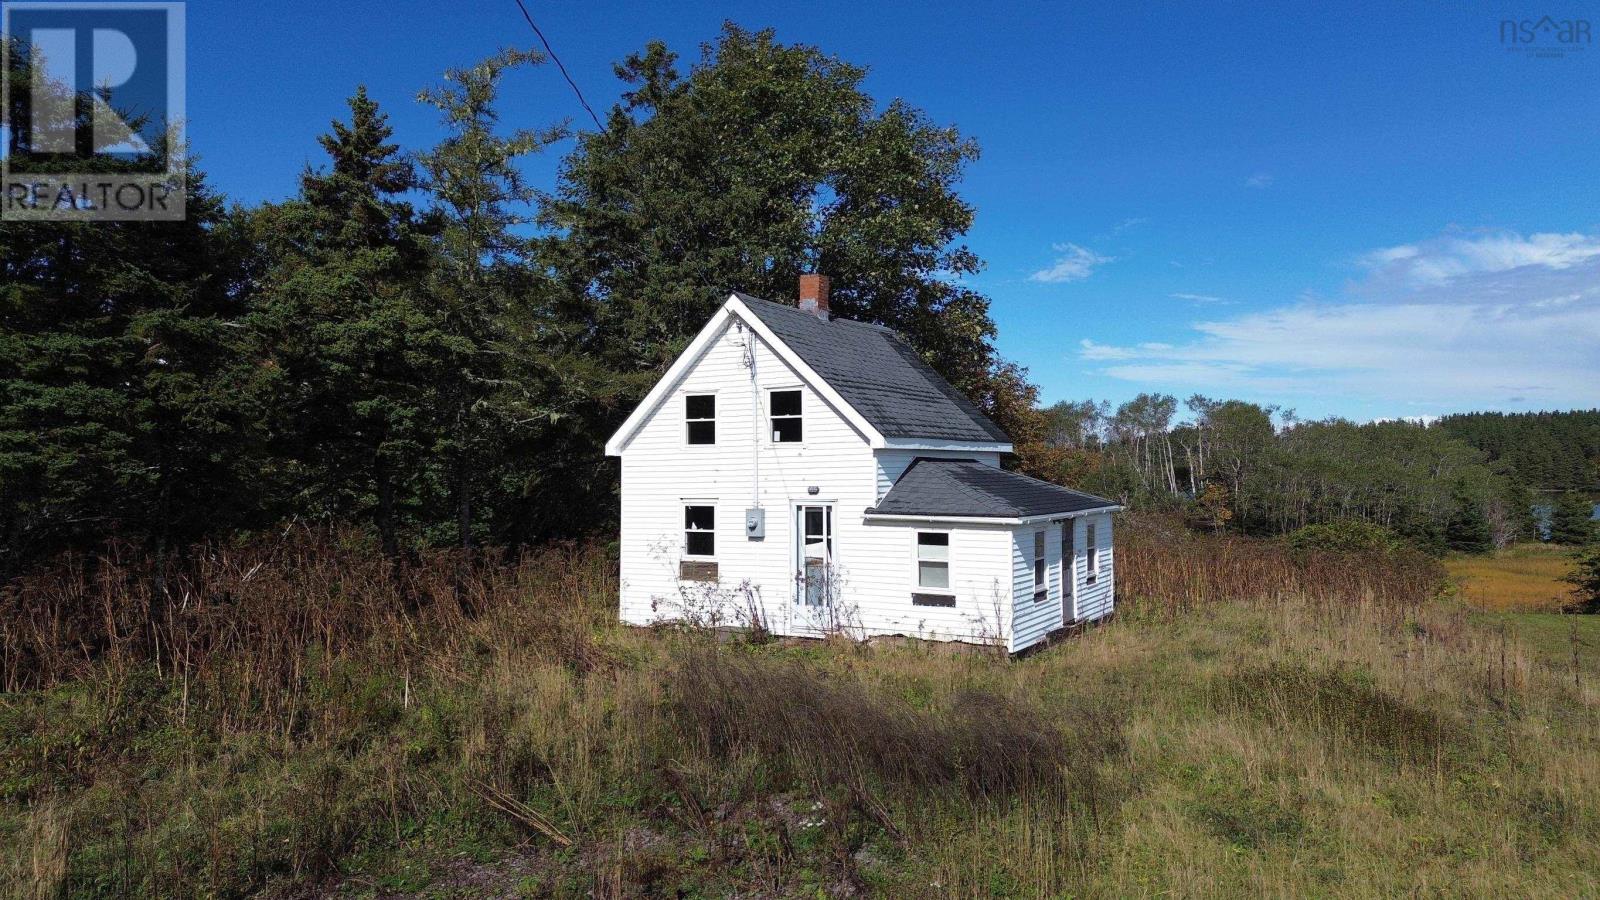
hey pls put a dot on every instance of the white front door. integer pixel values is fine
(814, 554)
(1069, 574)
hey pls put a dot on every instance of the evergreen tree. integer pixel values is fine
(354, 348)
(1585, 581)
(487, 292)
(123, 407)
(762, 162)
(1571, 520)
(1468, 530)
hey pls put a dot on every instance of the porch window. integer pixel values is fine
(1089, 547)
(1041, 586)
(933, 561)
(784, 407)
(700, 531)
(700, 417)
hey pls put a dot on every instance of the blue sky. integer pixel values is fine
(1379, 212)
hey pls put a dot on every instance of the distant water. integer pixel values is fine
(1541, 518)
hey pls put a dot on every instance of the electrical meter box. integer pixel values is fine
(755, 524)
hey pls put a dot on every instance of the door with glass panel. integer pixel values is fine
(1069, 574)
(814, 555)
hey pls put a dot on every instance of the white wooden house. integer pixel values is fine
(815, 474)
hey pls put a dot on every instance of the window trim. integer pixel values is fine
(1092, 550)
(687, 420)
(799, 417)
(949, 563)
(686, 530)
(1041, 564)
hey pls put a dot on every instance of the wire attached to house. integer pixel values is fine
(755, 413)
(557, 60)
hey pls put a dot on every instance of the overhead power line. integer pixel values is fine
(548, 49)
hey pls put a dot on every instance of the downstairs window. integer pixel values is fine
(700, 531)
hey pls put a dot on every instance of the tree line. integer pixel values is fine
(1545, 451)
(1464, 483)
(421, 341)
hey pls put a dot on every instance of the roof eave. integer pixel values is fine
(871, 516)
(941, 444)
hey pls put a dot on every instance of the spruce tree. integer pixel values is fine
(355, 348)
(1571, 520)
(123, 403)
(497, 394)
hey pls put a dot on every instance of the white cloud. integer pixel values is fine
(1451, 322)
(1259, 180)
(1205, 299)
(1088, 349)
(1074, 263)
(1440, 259)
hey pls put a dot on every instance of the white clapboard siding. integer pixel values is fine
(1034, 619)
(1093, 601)
(662, 472)
(891, 464)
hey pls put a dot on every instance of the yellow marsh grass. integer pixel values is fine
(1525, 577)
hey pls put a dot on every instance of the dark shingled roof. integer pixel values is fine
(964, 487)
(879, 375)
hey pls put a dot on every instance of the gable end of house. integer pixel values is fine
(867, 372)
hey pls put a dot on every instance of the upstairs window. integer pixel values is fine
(1093, 561)
(933, 561)
(785, 413)
(700, 416)
(700, 531)
(1041, 587)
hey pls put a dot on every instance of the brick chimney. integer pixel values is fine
(814, 295)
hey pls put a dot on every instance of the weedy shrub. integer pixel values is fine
(871, 763)
(1344, 536)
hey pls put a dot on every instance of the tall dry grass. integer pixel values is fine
(1164, 569)
(247, 614)
(264, 713)
(298, 717)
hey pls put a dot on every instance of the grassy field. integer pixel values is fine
(495, 734)
(1564, 642)
(1525, 577)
